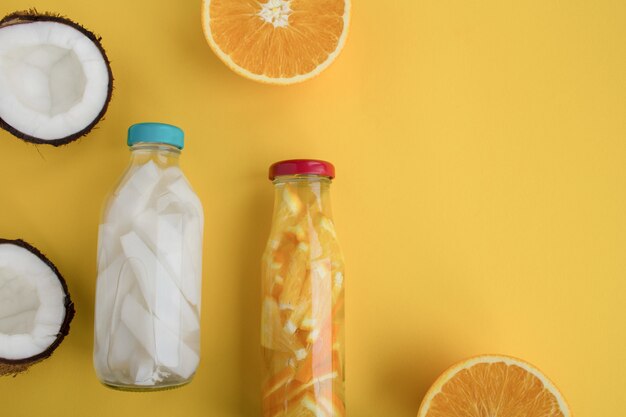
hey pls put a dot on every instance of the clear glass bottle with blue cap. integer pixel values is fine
(147, 319)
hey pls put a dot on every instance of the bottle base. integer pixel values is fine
(144, 388)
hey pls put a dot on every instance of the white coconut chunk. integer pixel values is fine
(144, 370)
(142, 324)
(109, 247)
(32, 303)
(116, 279)
(167, 236)
(189, 360)
(120, 349)
(145, 178)
(134, 195)
(183, 191)
(168, 202)
(180, 199)
(162, 232)
(163, 297)
(164, 346)
(54, 79)
(171, 174)
(157, 287)
(145, 224)
(191, 271)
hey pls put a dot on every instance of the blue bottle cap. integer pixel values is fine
(156, 133)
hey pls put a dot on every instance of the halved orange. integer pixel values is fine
(493, 386)
(276, 41)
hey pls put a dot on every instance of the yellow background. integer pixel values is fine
(480, 197)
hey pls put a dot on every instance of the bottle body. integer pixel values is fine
(302, 329)
(147, 319)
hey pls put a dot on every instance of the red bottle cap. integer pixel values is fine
(302, 167)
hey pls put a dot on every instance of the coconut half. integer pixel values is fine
(55, 78)
(35, 307)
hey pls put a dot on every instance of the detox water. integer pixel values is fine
(147, 320)
(302, 313)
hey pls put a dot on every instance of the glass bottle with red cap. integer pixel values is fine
(303, 295)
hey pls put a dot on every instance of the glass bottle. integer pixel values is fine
(302, 329)
(147, 319)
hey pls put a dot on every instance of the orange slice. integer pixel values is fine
(276, 41)
(281, 407)
(273, 335)
(334, 407)
(278, 381)
(493, 386)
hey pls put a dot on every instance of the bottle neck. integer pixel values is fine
(302, 194)
(159, 153)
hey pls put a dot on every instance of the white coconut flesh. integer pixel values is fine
(54, 80)
(32, 304)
